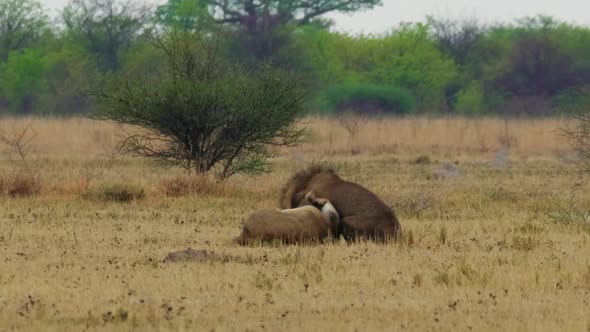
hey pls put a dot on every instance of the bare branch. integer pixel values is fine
(19, 141)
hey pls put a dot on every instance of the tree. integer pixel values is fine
(105, 27)
(409, 58)
(537, 67)
(263, 26)
(21, 23)
(458, 39)
(182, 14)
(71, 74)
(22, 78)
(406, 64)
(205, 114)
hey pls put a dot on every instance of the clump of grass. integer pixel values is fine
(586, 278)
(418, 280)
(526, 243)
(20, 185)
(122, 193)
(443, 235)
(264, 281)
(121, 315)
(530, 228)
(501, 194)
(466, 270)
(422, 160)
(408, 238)
(292, 258)
(414, 202)
(443, 278)
(187, 185)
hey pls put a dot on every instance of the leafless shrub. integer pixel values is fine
(414, 203)
(19, 141)
(572, 211)
(579, 137)
(505, 139)
(352, 123)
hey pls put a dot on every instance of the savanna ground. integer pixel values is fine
(480, 252)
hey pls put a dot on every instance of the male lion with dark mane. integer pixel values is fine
(362, 213)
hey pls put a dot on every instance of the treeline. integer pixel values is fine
(534, 66)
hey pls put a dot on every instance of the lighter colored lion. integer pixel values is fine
(311, 223)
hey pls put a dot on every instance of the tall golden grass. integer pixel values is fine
(85, 137)
(428, 135)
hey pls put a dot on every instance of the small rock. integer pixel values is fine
(189, 255)
(446, 171)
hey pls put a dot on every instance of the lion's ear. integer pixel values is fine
(311, 199)
(320, 203)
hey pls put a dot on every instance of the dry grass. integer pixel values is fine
(118, 192)
(20, 184)
(478, 253)
(440, 135)
(182, 185)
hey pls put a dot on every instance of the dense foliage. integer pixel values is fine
(368, 98)
(535, 66)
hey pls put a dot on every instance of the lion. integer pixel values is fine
(316, 221)
(362, 213)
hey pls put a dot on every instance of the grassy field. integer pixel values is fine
(480, 252)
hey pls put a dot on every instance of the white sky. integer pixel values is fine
(392, 12)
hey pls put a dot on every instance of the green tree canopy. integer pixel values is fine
(23, 78)
(262, 26)
(407, 57)
(105, 27)
(22, 22)
(182, 14)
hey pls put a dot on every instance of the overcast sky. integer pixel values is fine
(392, 12)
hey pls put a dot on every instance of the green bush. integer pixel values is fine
(368, 98)
(470, 100)
(573, 100)
(23, 78)
(205, 114)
